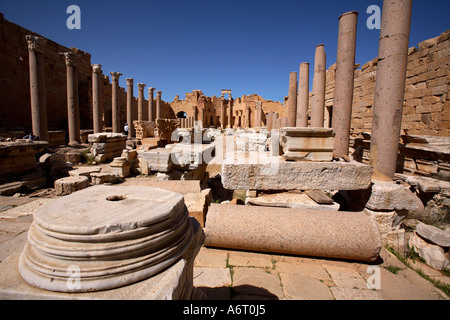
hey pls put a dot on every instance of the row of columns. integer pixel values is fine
(38, 95)
(389, 88)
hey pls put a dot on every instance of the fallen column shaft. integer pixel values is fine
(319, 233)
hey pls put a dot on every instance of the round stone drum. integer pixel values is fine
(105, 237)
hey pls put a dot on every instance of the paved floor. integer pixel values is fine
(237, 275)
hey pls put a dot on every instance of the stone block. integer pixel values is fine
(102, 177)
(433, 234)
(120, 166)
(84, 171)
(313, 144)
(66, 186)
(157, 159)
(299, 175)
(290, 200)
(433, 255)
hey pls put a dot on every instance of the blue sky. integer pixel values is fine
(248, 46)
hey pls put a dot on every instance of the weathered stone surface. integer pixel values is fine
(313, 144)
(157, 159)
(65, 186)
(305, 175)
(132, 234)
(290, 200)
(18, 158)
(344, 235)
(248, 142)
(190, 156)
(197, 204)
(434, 255)
(387, 195)
(103, 177)
(433, 234)
(84, 171)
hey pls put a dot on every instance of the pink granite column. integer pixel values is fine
(141, 87)
(318, 94)
(151, 116)
(37, 87)
(130, 97)
(115, 102)
(343, 90)
(223, 122)
(96, 98)
(73, 107)
(270, 121)
(158, 104)
(230, 111)
(390, 87)
(303, 95)
(292, 100)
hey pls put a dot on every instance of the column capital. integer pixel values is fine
(130, 81)
(150, 90)
(141, 86)
(115, 75)
(35, 43)
(97, 68)
(159, 93)
(71, 58)
(258, 104)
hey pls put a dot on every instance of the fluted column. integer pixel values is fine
(343, 90)
(130, 97)
(303, 95)
(141, 87)
(115, 102)
(158, 104)
(151, 116)
(73, 107)
(390, 87)
(96, 98)
(292, 100)
(37, 87)
(318, 94)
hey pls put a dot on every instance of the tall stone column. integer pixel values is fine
(73, 107)
(303, 95)
(247, 116)
(115, 102)
(130, 97)
(201, 115)
(318, 94)
(270, 121)
(390, 87)
(343, 90)
(158, 104)
(195, 113)
(258, 111)
(151, 116)
(292, 100)
(37, 87)
(141, 87)
(96, 98)
(230, 112)
(223, 122)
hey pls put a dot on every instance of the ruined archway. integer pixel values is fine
(181, 115)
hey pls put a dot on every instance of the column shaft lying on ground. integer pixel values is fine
(320, 233)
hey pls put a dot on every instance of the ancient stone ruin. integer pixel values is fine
(359, 164)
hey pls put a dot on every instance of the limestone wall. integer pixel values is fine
(427, 102)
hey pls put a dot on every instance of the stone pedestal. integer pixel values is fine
(110, 237)
(110, 145)
(120, 166)
(312, 144)
(319, 233)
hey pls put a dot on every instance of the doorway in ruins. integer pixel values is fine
(181, 115)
